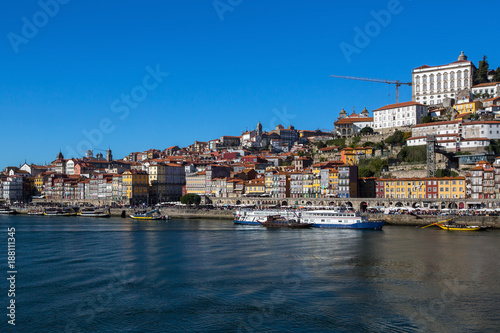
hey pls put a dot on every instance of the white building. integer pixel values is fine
(432, 84)
(398, 115)
(352, 124)
(456, 134)
(12, 189)
(491, 88)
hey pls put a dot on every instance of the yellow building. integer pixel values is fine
(40, 180)
(255, 187)
(468, 107)
(402, 188)
(135, 186)
(196, 183)
(451, 187)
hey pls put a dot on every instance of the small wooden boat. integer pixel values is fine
(459, 227)
(276, 221)
(451, 226)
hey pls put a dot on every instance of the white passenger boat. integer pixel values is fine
(327, 218)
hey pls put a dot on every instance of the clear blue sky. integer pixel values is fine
(263, 59)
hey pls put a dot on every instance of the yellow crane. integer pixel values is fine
(396, 82)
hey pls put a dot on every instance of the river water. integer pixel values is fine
(118, 275)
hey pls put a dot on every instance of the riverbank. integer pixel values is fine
(396, 219)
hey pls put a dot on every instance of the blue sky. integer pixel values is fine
(230, 64)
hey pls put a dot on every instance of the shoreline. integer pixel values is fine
(397, 220)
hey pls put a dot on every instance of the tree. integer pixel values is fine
(366, 130)
(427, 119)
(481, 75)
(355, 141)
(413, 154)
(496, 76)
(396, 139)
(445, 173)
(191, 199)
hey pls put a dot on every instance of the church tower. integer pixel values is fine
(342, 114)
(109, 156)
(365, 113)
(259, 128)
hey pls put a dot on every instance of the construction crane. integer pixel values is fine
(396, 82)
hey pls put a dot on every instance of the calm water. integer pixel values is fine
(116, 275)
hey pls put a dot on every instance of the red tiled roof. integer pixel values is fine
(353, 120)
(487, 84)
(397, 105)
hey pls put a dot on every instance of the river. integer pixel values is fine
(78, 274)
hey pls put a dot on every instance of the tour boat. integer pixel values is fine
(6, 210)
(59, 212)
(35, 212)
(143, 215)
(276, 221)
(327, 218)
(92, 212)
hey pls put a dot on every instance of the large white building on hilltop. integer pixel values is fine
(432, 84)
(398, 115)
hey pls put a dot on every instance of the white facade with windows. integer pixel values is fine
(432, 84)
(492, 89)
(398, 115)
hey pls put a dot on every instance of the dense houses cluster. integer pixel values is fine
(275, 163)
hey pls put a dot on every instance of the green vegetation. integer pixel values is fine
(398, 138)
(445, 173)
(355, 142)
(427, 119)
(481, 75)
(494, 146)
(414, 154)
(496, 76)
(366, 130)
(462, 153)
(369, 144)
(371, 167)
(191, 199)
(336, 142)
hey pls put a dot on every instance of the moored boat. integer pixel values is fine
(57, 211)
(35, 211)
(327, 218)
(4, 210)
(92, 212)
(276, 221)
(145, 215)
(452, 226)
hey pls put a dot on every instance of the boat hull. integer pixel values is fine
(373, 225)
(94, 215)
(469, 228)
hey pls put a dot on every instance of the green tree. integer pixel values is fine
(496, 76)
(191, 199)
(414, 154)
(481, 75)
(355, 141)
(366, 130)
(396, 139)
(445, 173)
(427, 119)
